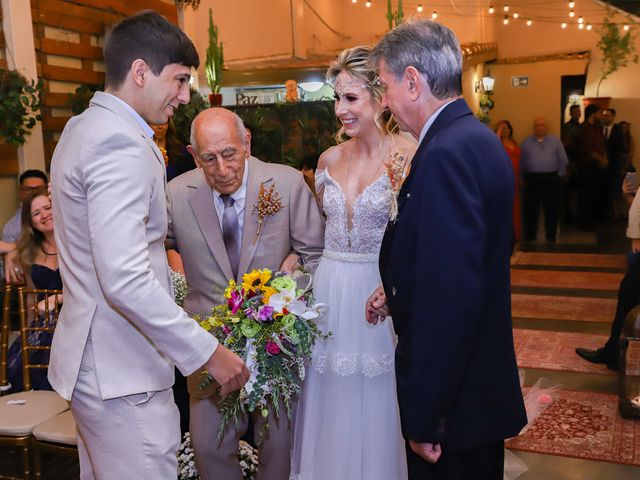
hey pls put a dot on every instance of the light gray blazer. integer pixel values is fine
(194, 230)
(110, 216)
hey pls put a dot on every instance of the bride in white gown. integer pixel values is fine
(348, 425)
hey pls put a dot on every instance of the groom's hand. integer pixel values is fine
(429, 452)
(228, 370)
(376, 309)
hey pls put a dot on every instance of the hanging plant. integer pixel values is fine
(19, 106)
(617, 49)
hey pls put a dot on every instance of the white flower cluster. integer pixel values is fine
(247, 456)
(179, 287)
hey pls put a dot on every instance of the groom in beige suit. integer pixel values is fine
(120, 332)
(213, 226)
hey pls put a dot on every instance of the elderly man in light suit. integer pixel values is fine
(120, 332)
(213, 225)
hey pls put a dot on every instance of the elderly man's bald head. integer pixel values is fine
(220, 146)
(539, 127)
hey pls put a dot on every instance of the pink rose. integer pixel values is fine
(272, 347)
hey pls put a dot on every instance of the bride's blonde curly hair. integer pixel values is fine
(355, 62)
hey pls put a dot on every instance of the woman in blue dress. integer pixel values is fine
(37, 255)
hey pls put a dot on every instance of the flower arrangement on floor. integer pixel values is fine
(268, 321)
(247, 456)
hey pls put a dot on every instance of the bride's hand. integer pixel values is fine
(376, 309)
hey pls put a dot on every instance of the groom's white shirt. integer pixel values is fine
(109, 210)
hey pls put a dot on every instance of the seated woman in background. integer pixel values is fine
(37, 255)
(177, 158)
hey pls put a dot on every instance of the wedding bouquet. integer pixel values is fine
(247, 457)
(179, 282)
(268, 321)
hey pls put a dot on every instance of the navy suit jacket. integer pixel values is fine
(445, 268)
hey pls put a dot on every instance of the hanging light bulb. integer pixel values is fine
(529, 23)
(516, 15)
(572, 14)
(368, 4)
(419, 8)
(589, 27)
(354, 1)
(580, 20)
(506, 8)
(626, 28)
(491, 10)
(572, 4)
(580, 26)
(564, 25)
(506, 20)
(434, 15)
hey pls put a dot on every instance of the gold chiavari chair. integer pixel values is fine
(21, 412)
(5, 326)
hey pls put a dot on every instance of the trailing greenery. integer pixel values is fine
(617, 49)
(186, 113)
(19, 106)
(215, 58)
(79, 101)
(188, 3)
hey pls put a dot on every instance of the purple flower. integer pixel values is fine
(265, 312)
(226, 330)
(272, 347)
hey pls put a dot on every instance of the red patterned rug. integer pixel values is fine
(558, 279)
(569, 259)
(553, 307)
(549, 350)
(583, 425)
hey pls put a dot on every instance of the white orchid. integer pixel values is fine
(315, 311)
(289, 300)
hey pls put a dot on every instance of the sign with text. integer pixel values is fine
(519, 81)
(255, 96)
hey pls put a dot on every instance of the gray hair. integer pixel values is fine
(428, 46)
(219, 112)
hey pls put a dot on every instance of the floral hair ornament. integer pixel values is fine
(268, 203)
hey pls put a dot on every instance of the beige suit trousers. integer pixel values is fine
(136, 436)
(220, 462)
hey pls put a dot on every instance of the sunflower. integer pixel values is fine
(255, 280)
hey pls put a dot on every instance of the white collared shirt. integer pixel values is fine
(432, 119)
(148, 131)
(239, 197)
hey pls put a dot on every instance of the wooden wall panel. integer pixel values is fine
(89, 19)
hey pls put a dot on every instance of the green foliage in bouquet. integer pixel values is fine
(19, 106)
(268, 320)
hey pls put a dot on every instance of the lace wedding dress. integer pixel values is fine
(348, 424)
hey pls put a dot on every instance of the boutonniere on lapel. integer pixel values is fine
(268, 203)
(397, 170)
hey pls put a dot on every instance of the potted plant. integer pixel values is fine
(213, 64)
(618, 49)
(19, 105)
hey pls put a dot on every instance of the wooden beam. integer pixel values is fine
(59, 100)
(74, 10)
(9, 162)
(54, 124)
(65, 74)
(60, 20)
(77, 50)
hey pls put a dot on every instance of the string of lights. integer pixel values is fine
(581, 14)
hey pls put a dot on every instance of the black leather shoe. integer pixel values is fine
(593, 356)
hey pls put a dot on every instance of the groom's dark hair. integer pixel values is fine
(150, 37)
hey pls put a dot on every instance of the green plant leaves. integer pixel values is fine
(19, 106)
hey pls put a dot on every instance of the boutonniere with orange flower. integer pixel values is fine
(268, 203)
(397, 170)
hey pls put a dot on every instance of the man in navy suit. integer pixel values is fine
(445, 266)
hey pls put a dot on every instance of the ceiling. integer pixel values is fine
(631, 6)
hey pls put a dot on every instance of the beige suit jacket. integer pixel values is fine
(110, 216)
(194, 230)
